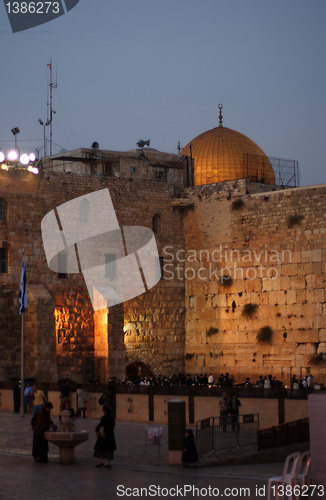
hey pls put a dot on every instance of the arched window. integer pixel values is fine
(3, 210)
(3, 260)
(157, 223)
(84, 210)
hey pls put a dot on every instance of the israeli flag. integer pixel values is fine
(23, 290)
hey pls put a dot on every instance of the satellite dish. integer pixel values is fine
(95, 145)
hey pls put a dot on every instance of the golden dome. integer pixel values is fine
(222, 154)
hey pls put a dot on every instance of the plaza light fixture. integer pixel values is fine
(25, 162)
(12, 155)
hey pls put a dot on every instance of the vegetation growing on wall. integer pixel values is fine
(317, 360)
(237, 204)
(265, 335)
(295, 220)
(226, 280)
(211, 331)
(249, 309)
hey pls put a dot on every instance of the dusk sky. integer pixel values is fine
(148, 69)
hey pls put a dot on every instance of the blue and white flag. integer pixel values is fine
(23, 290)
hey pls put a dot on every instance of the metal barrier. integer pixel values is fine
(221, 433)
(284, 434)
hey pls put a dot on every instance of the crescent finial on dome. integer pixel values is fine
(220, 107)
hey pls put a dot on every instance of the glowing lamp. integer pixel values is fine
(24, 159)
(35, 170)
(32, 157)
(2, 157)
(12, 155)
(4, 167)
(30, 168)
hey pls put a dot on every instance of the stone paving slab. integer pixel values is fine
(22, 478)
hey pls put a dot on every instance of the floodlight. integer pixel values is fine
(24, 159)
(32, 157)
(4, 166)
(12, 155)
(2, 157)
(15, 130)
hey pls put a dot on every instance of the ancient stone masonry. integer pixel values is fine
(272, 245)
(86, 345)
(243, 274)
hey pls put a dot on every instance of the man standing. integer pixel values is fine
(28, 395)
(17, 390)
(81, 401)
(39, 399)
(224, 404)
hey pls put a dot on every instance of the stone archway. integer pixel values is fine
(138, 369)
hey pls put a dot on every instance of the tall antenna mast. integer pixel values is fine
(50, 108)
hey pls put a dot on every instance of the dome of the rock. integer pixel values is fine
(222, 154)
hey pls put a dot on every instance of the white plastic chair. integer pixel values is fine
(290, 467)
(301, 476)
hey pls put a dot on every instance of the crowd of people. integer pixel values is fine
(105, 444)
(222, 381)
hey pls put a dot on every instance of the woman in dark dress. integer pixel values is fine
(41, 422)
(105, 443)
(189, 454)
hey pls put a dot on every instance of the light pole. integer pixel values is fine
(15, 131)
(44, 125)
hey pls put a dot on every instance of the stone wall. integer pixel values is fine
(273, 245)
(271, 241)
(80, 339)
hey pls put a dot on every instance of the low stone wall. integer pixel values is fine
(134, 407)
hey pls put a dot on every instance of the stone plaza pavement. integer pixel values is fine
(133, 474)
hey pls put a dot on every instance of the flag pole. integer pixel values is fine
(22, 367)
(23, 305)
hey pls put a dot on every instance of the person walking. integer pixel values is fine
(105, 444)
(81, 401)
(41, 422)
